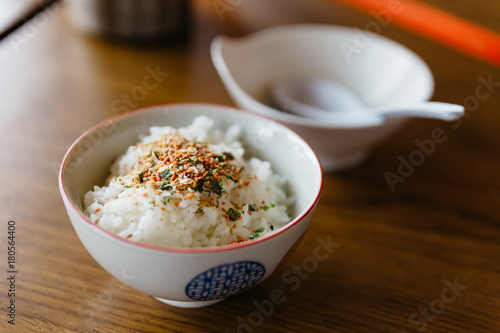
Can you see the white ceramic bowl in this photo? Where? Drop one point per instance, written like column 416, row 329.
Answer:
column 183, row 276
column 380, row 71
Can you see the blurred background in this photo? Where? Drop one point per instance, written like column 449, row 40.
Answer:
column 60, row 75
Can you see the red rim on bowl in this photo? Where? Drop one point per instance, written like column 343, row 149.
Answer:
column 76, row 210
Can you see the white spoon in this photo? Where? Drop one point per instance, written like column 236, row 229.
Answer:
column 327, row 100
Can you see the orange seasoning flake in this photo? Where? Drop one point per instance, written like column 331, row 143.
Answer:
column 239, row 240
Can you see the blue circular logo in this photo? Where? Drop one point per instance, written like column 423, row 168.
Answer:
column 225, row 280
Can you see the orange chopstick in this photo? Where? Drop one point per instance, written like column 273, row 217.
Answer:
column 435, row 24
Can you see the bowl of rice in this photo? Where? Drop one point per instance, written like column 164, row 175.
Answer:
column 190, row 203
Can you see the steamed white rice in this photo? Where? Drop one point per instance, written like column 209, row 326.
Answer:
column 237, row 199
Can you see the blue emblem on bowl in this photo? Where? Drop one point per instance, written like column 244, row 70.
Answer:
column 225, row 280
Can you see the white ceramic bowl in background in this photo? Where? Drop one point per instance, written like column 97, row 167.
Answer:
column 380, row 71
column 169, row 273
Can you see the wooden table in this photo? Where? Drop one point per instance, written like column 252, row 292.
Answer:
column 426, row 256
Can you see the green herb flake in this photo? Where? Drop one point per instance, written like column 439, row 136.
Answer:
column 256, row 233
column 265, row 207
column 157, row 154
column 253, row 208
column 165, row 200
column 273, row 205
column 228, row 156
column 141, row 177
column 232, row 214
column 271, row 226
column 199, row 186
column 166, row 174
column 165, row 187
column 216, row 188
column 128, row 186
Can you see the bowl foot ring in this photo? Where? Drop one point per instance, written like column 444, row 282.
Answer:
column 189, row 304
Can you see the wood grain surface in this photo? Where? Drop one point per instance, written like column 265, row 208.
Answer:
column 425, row 257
